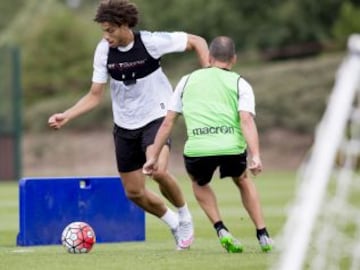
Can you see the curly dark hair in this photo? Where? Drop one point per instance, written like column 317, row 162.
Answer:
column 117, row 12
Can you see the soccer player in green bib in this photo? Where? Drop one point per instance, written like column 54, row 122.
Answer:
column 218, row 106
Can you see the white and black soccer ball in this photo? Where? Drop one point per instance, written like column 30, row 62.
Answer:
column 78, row 237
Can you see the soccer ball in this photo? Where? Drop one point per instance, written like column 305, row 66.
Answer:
column 78, row 237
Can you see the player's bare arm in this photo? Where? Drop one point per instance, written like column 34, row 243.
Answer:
column 252, row 138
column 85, row 104
column 199, row 44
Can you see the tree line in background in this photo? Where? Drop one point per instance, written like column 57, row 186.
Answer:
column 255, row 25
column 268, row 26
column 57, row 43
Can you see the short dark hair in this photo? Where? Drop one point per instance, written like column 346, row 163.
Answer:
column 222, row 48
column 117, row 12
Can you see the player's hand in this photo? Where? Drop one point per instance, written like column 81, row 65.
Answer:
column 57, row 120
column 150, row 166
column 255, row 165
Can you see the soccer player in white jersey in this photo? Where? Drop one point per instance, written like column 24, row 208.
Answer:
column 139, row 91
column 218, row 106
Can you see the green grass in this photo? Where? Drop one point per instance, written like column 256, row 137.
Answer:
column 157, row 252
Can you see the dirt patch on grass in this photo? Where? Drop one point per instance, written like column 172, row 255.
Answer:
column 67, row 153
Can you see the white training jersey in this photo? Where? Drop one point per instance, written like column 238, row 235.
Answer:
column 246, row 96
column 137, row 104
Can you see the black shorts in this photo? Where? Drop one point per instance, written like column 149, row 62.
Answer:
column 130, row 145
column 203, row 168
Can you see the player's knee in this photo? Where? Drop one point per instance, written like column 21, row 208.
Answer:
column 134, row 194
column 160, row 174
column 241, row 181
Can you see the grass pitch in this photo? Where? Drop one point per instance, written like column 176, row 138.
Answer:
column 157, row 252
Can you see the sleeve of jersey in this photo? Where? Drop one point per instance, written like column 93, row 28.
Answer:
column 246, row 97
column 160, row 43
column 175, row 103
column 100, row 73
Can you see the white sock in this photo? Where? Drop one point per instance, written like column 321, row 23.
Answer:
column 184, row 213
column 170, row 218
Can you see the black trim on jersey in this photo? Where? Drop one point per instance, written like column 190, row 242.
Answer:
column 131, row 65
column 237, row 87
column 182, row 92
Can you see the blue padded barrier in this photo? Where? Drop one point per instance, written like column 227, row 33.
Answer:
column 47, row 205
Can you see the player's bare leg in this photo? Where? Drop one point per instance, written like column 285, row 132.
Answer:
column 136, row 191
column 207, row 200
column 170, row 189
column 168, row 185
column 251, row 201
column 134, row 185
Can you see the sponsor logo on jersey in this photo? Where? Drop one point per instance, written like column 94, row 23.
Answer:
column 126, row 65
column 213, row 130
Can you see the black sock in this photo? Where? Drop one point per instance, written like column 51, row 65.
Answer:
column 260, row 232
column 219, row 225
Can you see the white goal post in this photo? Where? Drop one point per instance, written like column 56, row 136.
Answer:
column 335, row 243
